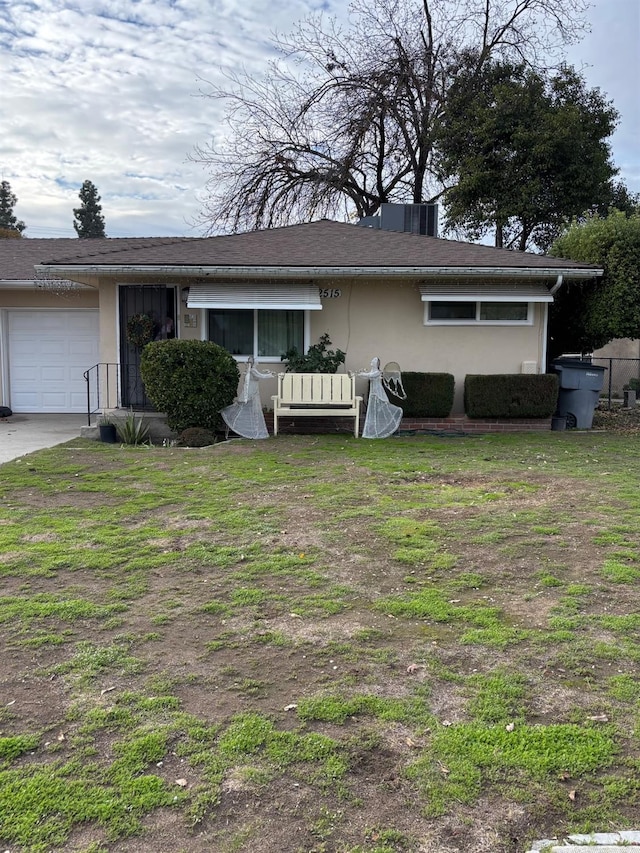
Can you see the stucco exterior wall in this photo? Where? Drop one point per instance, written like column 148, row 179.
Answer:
column 387, row 320
column 37, row 298
column 366, row 319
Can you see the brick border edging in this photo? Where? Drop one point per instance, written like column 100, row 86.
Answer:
column 453, row 424
column 461, row 423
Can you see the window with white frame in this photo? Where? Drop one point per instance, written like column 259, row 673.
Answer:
column 262, row 333
column 459, row 313
column 494, row 304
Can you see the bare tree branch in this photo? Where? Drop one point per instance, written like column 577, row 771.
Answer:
column 344, row 119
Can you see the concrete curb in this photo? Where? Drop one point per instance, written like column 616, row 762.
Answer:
column 601, row 842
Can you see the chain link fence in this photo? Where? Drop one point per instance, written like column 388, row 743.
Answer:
column 621, row 374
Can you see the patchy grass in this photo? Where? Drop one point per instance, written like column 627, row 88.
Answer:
column 320, row 644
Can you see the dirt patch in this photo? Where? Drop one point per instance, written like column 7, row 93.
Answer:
column 309, row 606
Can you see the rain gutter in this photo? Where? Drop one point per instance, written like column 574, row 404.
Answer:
column 314, row 272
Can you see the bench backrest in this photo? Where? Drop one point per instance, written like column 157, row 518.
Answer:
column 316, row 388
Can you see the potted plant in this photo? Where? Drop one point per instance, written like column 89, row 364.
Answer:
column 107, row 430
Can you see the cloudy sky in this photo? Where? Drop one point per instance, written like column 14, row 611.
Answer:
column 107, row 90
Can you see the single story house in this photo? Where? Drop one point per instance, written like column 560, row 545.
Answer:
column 429, row 304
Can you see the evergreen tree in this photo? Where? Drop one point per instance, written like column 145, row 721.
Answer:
column 8, row 221
column 587, row 315
column 524, row 152
column 89, row 219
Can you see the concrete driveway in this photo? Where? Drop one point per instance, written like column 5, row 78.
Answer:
column 22, row 434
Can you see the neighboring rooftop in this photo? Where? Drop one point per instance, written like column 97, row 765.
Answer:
column 18, row 256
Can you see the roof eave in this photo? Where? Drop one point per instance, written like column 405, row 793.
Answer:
column 315, row 272
column 37, row 284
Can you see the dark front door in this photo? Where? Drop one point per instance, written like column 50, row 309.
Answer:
column 158, row 303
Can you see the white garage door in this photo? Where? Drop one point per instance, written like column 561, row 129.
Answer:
column 48, row 353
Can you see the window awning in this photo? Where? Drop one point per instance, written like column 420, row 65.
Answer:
column 495, row 293
column 284, row 296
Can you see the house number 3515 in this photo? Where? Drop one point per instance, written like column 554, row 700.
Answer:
column 329, row 292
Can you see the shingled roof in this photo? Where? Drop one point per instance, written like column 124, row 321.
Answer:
column 315, row 244
column 18, row 256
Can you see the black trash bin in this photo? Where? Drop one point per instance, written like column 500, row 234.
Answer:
column 580, row 383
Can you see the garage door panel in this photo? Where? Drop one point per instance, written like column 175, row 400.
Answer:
column 82, row 350
column 26, row 402
column 79, row 401
column 78, row 325
column 24, row 348
column 28, row 373
column 53, row 349
column 52, row 400
column 54, row 374
column 48, row 354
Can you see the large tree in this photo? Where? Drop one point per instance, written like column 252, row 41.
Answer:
column 344, row 120
column 10, row 225
column 621, row 198
column 586, row 316
column 523, row 151
column 89, row 221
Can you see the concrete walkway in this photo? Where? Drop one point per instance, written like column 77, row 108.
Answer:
column 597, row 842
column 22, row 434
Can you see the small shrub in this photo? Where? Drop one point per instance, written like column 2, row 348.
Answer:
column 510, row 395
column 319, row 359
column 190, row 381
column 429, row 395
column 133, row 429
column 196, row 437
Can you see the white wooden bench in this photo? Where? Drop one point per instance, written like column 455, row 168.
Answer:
column 316, row 395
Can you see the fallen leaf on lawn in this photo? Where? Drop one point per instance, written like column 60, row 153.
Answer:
column 61, row 737
column 572, row 795
column 414, row 667
column 106, row 690
column 181, row 782
column 291, row 707
column 446, row 722
column 510, row 727
column 599, row 718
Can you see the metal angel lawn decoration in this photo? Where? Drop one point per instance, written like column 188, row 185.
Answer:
column 382, row 418
column 244, row 416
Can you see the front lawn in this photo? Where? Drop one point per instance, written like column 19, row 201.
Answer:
column 318, row 644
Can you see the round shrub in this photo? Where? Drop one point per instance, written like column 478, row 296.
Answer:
column 196, row 437
column 190, row 381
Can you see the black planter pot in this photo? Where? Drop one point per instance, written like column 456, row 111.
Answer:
column 108, row 433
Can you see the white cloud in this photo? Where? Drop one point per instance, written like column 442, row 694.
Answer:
column 107, row 90
column 609, row 57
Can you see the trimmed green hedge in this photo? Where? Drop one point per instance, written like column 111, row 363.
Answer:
column 510, row 395
column 429, row 395
column 190, row 381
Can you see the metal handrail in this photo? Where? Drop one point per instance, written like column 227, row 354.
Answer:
column 99, row 379
column 114, row 385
